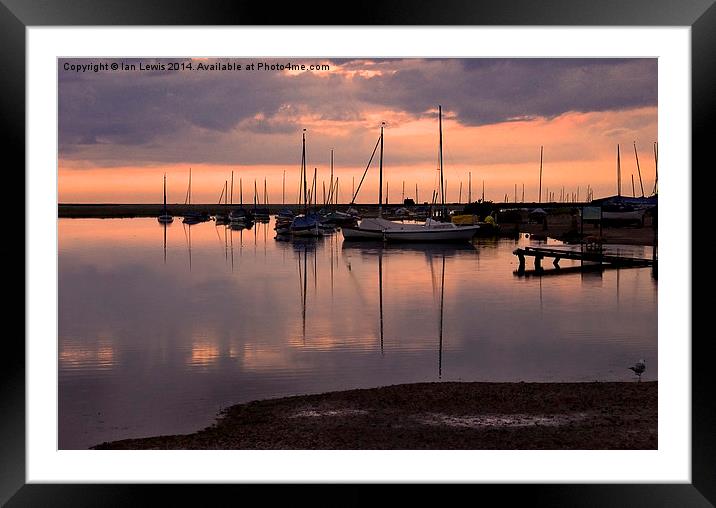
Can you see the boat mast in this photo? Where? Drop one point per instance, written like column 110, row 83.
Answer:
column 539, row 199
column 186, row 195
column 330, row 190
column 641, row 184
column 165, row 193
column 380, row 187
column 442, row 188
column 619, row 173
column 303, row 172
column 314, row 187
column 232, row 188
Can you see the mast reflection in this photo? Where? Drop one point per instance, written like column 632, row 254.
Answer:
column 442, row 302
column 380, row 289
column 164, row 227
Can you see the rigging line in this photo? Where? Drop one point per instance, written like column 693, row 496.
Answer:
column 330, row 190
column 353, row 199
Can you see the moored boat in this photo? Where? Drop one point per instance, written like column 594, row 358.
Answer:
column 165, row 218
column 222, row 217
column 261, row 215
column 368, row 229
column 307, row 223
column 371, row 228
column 284, row 218
column 196, row 217
column 431, row 231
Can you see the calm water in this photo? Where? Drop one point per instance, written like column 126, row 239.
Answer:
column 157, row 341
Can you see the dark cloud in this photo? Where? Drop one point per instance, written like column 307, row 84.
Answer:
column 487, row 91
column 167, row 116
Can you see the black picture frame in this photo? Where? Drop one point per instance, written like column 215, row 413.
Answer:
column 16, row 15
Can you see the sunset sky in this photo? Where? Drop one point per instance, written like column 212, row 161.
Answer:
column 120, row 131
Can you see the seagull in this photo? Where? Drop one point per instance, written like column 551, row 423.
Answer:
column 639, row 368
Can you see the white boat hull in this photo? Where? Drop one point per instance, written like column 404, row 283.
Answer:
column 361, row 234
column 457, row 234
column 372, row 229
column 431, row 231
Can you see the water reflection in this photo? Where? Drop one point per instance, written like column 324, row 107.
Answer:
column 442, row 301
column 303, row 284
column 164, row 227
column 187, row 236
column 157, row 343
column 380, row 288
column 430, row 251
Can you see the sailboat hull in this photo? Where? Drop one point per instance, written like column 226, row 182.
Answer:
column 457, row 234
column 313, row 231
column 361, row 234
column 306, row 225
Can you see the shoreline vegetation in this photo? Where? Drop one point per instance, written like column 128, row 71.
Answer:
column 442, row 415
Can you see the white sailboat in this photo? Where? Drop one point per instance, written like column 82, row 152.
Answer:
column 430, row 231
column 374, row 227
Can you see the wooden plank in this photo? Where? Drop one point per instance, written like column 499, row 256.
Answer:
column 541, row 252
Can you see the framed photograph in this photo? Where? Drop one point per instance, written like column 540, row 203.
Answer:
column 419, row 247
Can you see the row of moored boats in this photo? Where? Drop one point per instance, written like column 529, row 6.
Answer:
column 315, row 223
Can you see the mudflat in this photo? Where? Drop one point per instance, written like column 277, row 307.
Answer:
column 447, row 415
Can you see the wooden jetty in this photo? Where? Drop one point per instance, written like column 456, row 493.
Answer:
column 584, row 254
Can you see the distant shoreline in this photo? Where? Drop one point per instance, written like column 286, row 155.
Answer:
column 118, row 210
column 559, row 223
column 449, row 415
